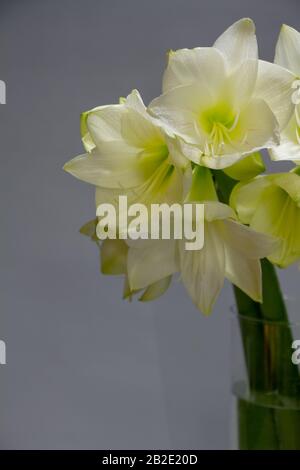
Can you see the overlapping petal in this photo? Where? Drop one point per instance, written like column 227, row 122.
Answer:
column 150, row 261
column 274, row 86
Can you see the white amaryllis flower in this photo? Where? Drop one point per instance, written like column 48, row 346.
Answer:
column 230, row 250
column 222, row 101
column 128, row 153
column 288, row 55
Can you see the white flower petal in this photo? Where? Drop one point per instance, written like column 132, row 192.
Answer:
column 204, row 65
column 288, row 49
column 238, row 43
column 217, row 211
column 135, row 102
column 257, row 127
column 188, row 151
column 104, row 123
column 119, row 167
column 246, row 241
column 242, row 82
column 180, row 108
column 243, row 249
column 176, row 154
column 139, row 131
column 203, row 270
column 287, row 150
column 243, row 272
column 150, row 261
column 274, row 86
column 218, row 162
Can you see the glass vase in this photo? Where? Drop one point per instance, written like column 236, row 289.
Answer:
column 265, row 357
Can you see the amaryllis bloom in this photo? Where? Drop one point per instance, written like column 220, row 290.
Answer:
column 128, row 153
column 231, row 250
column 222, row 101
column 288, row 55
column 271, row 205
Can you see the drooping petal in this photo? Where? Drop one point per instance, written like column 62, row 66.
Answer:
column 274, row 86
column 202, row 271
column 288, row 49
column 203, row 65
column 238, row 43
column 150, row 261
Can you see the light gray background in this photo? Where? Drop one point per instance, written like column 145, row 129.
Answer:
column 85, row 369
